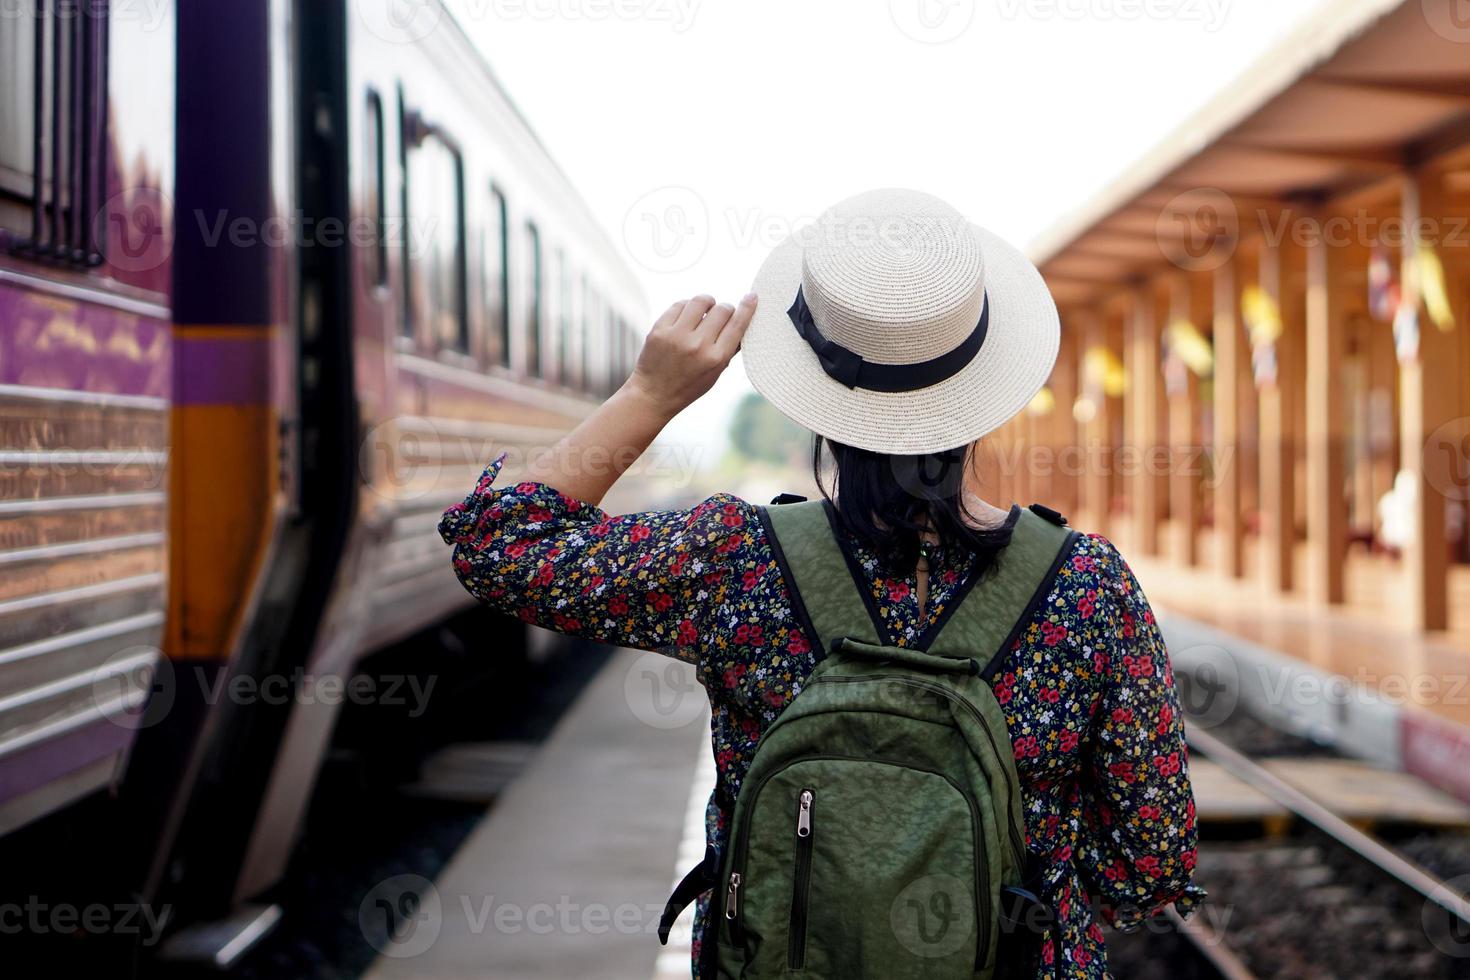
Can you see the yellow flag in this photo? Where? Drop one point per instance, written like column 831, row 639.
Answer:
column 1192, row 347
column 1262, row 317
column 1105, row 370
column 1432, row 288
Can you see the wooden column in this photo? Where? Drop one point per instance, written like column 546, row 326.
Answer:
column 1277, row 415
column 1326, row 425
column 1230, row 358
column 1184, row 436
column 1144, row 419
column 1426, row 389
column 1035, row 488
column 1094, row 431
column 1067, row 458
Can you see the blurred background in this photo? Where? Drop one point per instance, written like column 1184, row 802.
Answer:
column 278, row 278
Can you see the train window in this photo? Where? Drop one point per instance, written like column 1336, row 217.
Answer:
column 630, row 344
column 533, row 300
column 495, row 278
column 436, row 255
column 374, row 203
column 610, row 331
column 589, row 313
column 564, row 318
column 53, row 121
column 17, row 109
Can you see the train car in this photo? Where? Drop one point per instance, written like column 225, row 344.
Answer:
column 279, row 277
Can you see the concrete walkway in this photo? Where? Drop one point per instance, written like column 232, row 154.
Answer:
column 567, row 875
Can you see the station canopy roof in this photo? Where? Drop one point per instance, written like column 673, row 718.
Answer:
column 1351, row 99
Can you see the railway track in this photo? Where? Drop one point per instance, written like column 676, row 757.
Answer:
column 1330, row 900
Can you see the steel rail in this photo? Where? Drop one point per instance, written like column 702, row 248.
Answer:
column 1368, row 848
column 1211, row 947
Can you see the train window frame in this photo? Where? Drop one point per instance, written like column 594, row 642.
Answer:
column 610, row 374
column 377, row 167
column 416, row 133
column 532, row 337
column 498, row 315
column 563, row 319
column 589, row 304
column 404, row 338
column 59, row 131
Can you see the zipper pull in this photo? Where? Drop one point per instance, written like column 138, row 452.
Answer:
column 732, row 896
column 804, row 815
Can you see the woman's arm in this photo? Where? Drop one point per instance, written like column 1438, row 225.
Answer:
column 544, row 551
column 1139, row 840
column 682, row 357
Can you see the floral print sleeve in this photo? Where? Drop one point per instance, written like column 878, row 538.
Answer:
column 1139, row 840
column 649, row 581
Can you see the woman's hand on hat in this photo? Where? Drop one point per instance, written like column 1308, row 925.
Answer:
column 687, row 350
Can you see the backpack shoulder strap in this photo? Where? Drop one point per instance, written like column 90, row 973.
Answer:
column 823, row 588
column 997, row 607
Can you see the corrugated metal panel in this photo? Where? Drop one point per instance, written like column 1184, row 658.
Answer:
column 82, row 579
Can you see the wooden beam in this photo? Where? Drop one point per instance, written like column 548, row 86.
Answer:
column 1230, row 358
column 1369, row 160
column 1448, row 90
column 1326, row 424
column 1426, row 386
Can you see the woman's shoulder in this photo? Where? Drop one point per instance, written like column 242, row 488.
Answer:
column 1095, row 561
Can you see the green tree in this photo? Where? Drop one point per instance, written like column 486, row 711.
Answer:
column 759, row 433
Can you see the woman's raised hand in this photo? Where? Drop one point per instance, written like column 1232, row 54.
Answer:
column 687, row 350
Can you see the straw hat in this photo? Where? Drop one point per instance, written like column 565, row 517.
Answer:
column 894, row 324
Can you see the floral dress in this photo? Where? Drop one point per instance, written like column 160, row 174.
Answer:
column 1087, row 689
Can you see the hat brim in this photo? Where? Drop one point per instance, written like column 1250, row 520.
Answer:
column 1014, row 363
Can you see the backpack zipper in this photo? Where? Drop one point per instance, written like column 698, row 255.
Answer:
column 741, row 850
column 801, row 890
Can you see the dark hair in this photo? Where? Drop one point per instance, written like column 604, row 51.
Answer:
column 887, row 500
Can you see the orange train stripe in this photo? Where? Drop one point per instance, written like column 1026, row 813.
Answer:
column 223, row 479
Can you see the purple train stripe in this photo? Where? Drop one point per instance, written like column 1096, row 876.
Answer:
column 55, row 342
column 27, row 770
column 222, row 367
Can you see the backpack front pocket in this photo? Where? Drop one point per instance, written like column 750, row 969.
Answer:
column 861, row 867
column 801, row 892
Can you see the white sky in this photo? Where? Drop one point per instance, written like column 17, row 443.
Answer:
column 721, row 123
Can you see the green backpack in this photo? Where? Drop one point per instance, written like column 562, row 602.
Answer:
column 878, row 832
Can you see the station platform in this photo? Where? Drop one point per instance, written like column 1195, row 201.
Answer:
column 1365, row 639
column 1354, row 676
column 535, row 893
